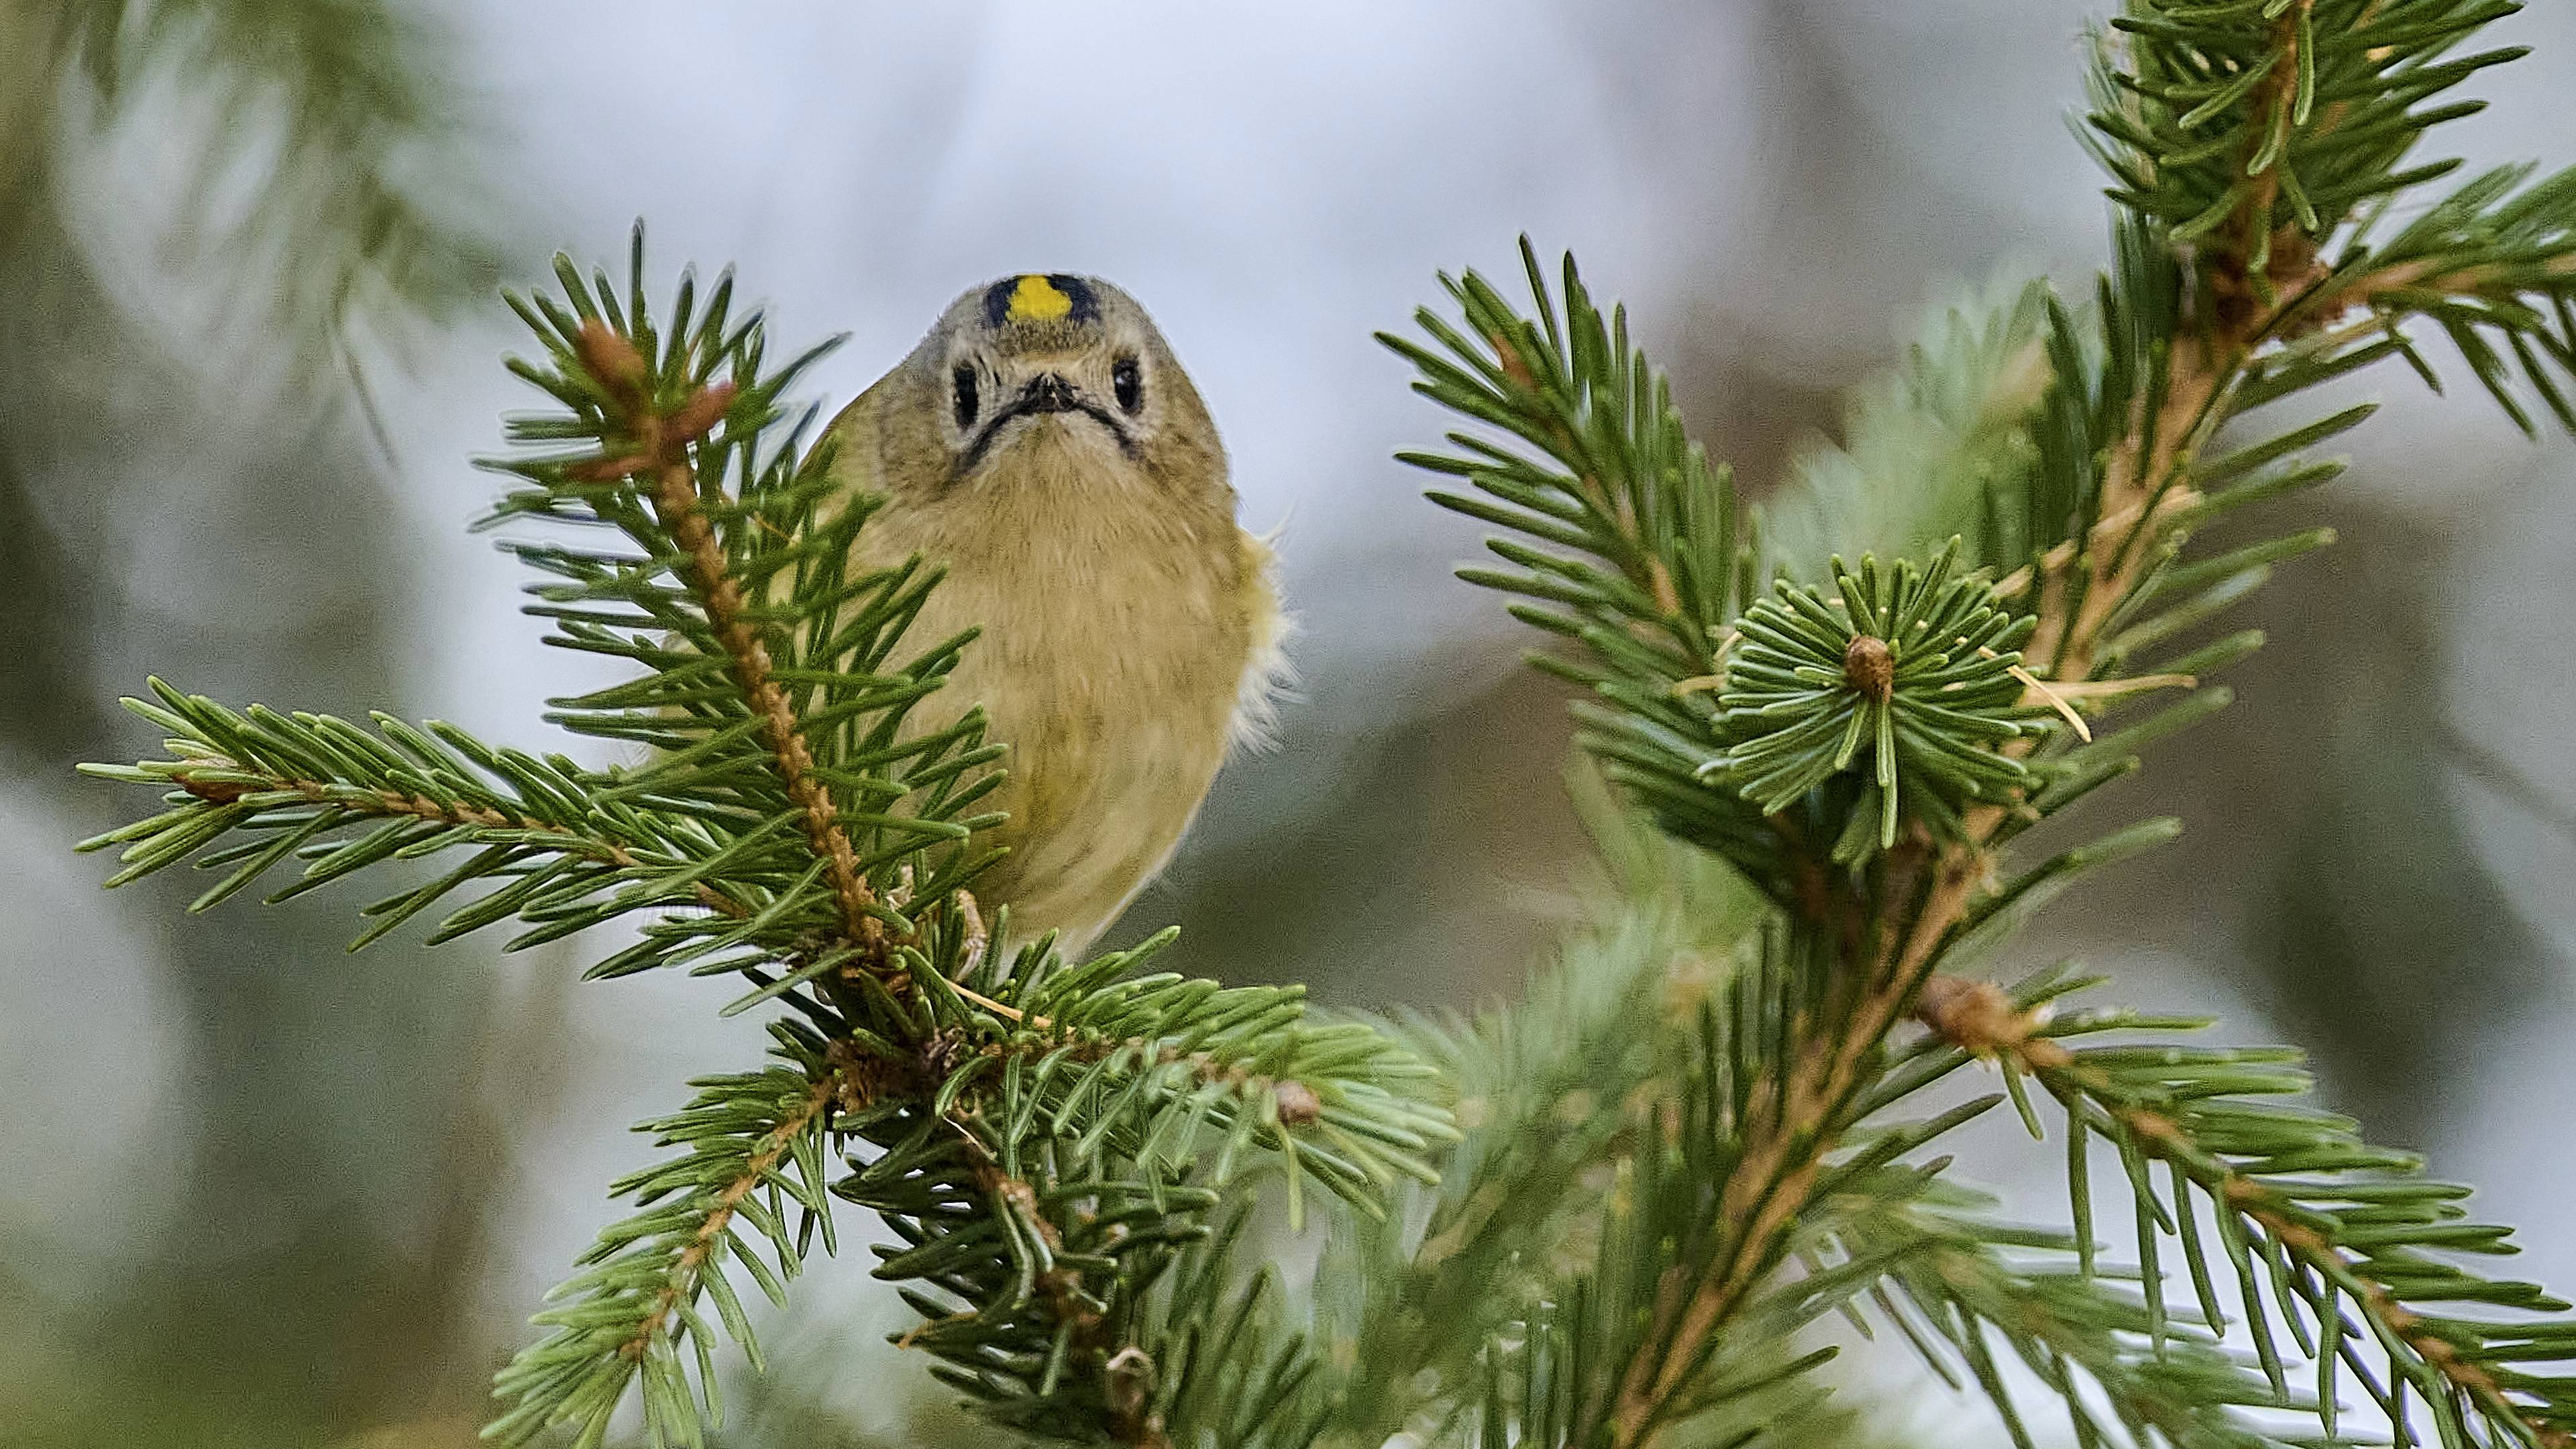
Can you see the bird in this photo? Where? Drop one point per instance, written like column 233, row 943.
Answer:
column 1045, row 447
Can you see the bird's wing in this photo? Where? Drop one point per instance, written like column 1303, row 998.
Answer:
column 853, row 435
column 1266, row 675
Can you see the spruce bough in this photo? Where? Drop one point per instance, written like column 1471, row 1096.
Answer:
column 1052, row 1141
column 1824, row 728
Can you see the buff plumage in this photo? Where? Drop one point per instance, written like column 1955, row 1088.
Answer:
column 1044, row 447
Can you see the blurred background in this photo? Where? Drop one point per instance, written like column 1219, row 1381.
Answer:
column 262, row 1193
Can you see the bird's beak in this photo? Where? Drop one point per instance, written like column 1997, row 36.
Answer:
column 1048, row 393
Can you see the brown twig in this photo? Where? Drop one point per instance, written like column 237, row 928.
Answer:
column 675, row 499
column 1980, row 1017
column 387, row 803
column 1126, row 1372
column 1295, row 1101
column 681, row 1284
column 2078, row 590
column 661, row 436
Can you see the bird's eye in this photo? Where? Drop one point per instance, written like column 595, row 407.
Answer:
column 1127, row 381
column 964, row 381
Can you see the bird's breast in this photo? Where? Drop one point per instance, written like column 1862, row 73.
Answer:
column 1115, row 636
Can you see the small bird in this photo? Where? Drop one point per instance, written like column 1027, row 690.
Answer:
column 1043, row 444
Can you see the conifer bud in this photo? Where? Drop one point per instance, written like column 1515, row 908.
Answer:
column 613, row 360
column 1298, row 1104
column 1869, row 667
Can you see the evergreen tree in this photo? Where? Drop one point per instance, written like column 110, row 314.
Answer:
column 1606, row 1215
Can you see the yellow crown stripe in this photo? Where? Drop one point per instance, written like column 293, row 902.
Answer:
column 1036, row 299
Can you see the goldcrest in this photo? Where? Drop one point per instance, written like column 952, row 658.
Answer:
column 1045, row 447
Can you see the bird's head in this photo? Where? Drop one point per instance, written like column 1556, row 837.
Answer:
column 1055, row 376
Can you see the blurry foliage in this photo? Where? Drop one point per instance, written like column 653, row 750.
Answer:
column 2352, row 928
column 321, row 152
column 310, row 198
column 324, row 182
column 1921, row 444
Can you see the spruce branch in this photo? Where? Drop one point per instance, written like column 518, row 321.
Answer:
column 754, row 1153
column 1659, row 736
column 1669, row 1232
column 1068, row 1167
column 1907, row 663
column 660, row 439
column 1048, row 1138
column 312, row 785
column 1880, row 1242
column 2248, row 140
column 720, row 705
column 1553, row 1092
column 2351, row 1236
column 1958, row 1283
column 1168, row 1070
